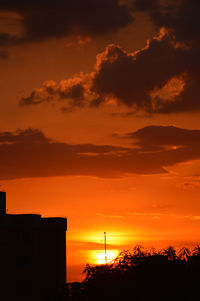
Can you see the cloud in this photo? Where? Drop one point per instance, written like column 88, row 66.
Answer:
column 55, row 19
column 45, row 19
column 161, row 78
column 163, row 215
column 147, row 215
column 29, row 153
column 73, row 89
column 112, row 216
column 4, row 55
column 161, row 138
column 166, row 145
column 131, row 78
column 181, row 17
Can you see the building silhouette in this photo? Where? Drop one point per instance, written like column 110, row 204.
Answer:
column 32, row 256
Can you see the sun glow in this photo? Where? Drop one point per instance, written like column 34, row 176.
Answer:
column 100, row 258
column 112, row 237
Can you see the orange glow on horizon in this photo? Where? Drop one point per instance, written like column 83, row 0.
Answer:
column 98, row 256
column 113, row 237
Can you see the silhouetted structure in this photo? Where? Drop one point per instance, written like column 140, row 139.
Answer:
column 32, row 256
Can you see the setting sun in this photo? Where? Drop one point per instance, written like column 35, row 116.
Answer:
column 100, row 258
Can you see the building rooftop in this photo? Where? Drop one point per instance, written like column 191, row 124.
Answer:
column 28, row 220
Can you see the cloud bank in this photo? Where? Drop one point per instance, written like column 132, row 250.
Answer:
column 29, row 153
column 44, row 19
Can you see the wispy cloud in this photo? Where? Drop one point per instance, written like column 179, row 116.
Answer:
column 158, row 215
column 112, row 216
column 144, row 214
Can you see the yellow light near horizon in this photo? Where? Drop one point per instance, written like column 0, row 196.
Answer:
column 99, row 256
column 112, row 238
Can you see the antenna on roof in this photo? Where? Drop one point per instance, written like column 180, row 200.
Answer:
column 105, row 247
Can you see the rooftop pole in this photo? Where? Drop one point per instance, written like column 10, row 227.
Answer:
column 105, row 247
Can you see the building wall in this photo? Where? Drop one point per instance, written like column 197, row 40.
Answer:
column 53, row 259
column 33, row 257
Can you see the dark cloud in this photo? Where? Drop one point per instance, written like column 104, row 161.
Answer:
column 30, row 153
column 4, row 55
column 163, row 77
column 42, row 19
column 129, row 79
column 166, row 145
column 145, row 5
column 72, row 89
column 160, row 137
column 181, row 16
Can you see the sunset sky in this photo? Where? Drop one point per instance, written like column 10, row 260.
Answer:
column 100, row 120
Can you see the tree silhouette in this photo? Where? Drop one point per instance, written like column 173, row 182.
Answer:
column 143, row 275
column 196, row 251
column 184, row 254
column 170, row 252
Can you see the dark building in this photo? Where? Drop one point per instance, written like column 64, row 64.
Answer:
column 32, row 256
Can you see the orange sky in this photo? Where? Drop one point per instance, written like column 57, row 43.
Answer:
column 99, row 121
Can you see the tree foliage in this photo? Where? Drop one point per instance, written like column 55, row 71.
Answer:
column 142, row 275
